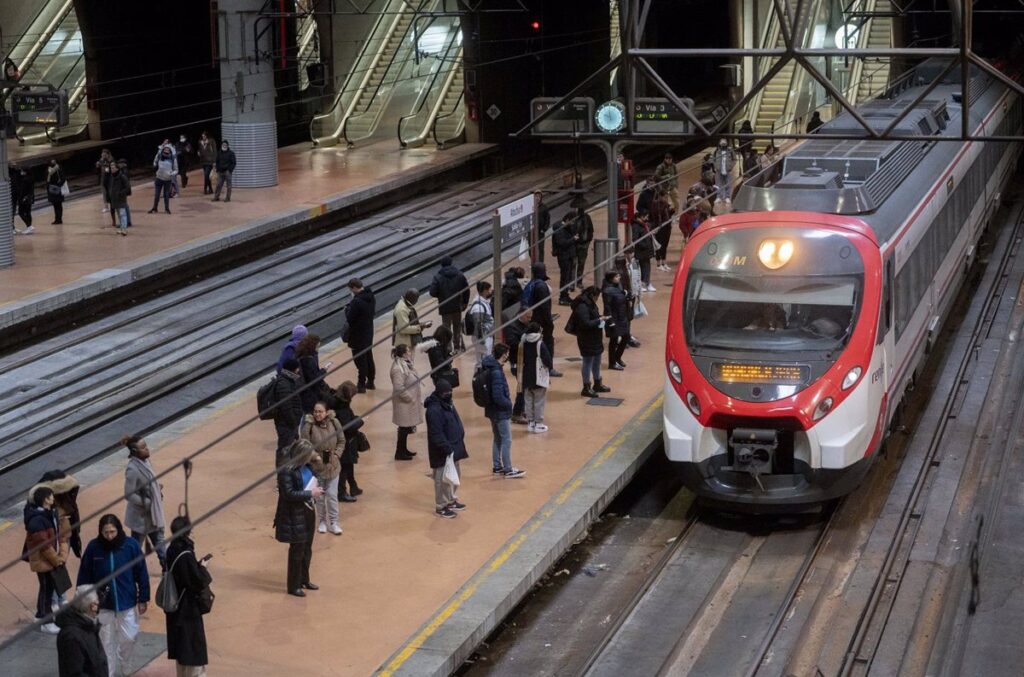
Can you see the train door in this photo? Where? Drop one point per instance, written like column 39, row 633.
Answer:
column 883, row 371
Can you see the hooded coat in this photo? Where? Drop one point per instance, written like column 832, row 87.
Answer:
column 144, row 507
column 79, row 649
column 589, row 336
column 42, row 538
column 451, row 288
column 186, row 635
column 500, row 405
column 540, row 299
column 299, row 332
column 329, row 441
column 65, row 494
column 360, row 313
column 536, row 363
column 445, row 433
column 294, row 520
column 102, row 557
column 617, row 307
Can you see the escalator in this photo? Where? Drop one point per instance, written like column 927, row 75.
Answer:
column 449, row 126
column 433, row 92
column 308, row 47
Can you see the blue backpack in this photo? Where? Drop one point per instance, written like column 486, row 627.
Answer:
column 528, row 299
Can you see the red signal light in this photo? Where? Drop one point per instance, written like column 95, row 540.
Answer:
column 535, row 25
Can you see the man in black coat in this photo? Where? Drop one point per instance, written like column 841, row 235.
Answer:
column 359, row 313
column 225, row 168
column 446, row 437
column 584, row 236
column 79, row 649
column 564, row 244
column 288, row 412
column 537, row 296
column 451, row 288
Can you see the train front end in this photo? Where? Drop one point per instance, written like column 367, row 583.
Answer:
column 774, row 391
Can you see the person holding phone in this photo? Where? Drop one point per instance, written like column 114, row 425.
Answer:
column 186, row 634
column 295, row 519
column 589, row 330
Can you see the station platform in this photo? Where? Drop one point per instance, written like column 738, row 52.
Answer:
column 34, row 154
column 59, row 266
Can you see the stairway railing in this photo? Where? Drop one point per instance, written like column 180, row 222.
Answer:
column 459, row 127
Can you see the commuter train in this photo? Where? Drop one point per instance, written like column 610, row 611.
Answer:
column 798, row 320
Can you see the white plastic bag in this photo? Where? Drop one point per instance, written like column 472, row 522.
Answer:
column 64, row 189
column 639, row 310
column 451, row 473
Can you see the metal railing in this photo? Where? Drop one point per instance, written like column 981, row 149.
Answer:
column 441, row 76
column 459, row 127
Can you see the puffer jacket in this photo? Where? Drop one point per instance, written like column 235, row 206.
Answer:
column 360, row 313
column 589, row 337
column 295, row 516
column 500, row 406
column 451, row 288
column 79, row 649
column 643, row 241
column 43, row 544
column 329, row 441
column 445, row 432
column 617, row 307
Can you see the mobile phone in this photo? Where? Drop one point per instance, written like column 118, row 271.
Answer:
column 328, row 365
column 207, row 557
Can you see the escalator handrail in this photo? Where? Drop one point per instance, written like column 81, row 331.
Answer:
column 44, row 37
column 442, row 116
column 449, row 75
column 348, row 78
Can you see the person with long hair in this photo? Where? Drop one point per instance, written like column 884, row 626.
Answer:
column 440, row 357
column 590, row 340
column 144, row 506
column 323, row 430
column 295, row 518
column 407, row 401
column 186, row 634
column 114, row 562
column 43, row 548
column 350, row 453
column 54, row 190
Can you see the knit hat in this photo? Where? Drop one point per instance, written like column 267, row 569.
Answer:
column 299, row 332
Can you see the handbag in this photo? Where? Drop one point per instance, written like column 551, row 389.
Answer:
column 61, row 579
column 362, row 442
column 451, row 473
column 52, row 189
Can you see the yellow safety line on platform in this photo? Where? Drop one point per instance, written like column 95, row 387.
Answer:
column 409, row 649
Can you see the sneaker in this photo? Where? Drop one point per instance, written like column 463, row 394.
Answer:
column 446, row 513
column 620, row 364
column 650, row 288
column 122, row 232
column 455, row 505
column 514, row 473
column 335, row 529
column 347, row 498
column 49, row 629
column 497, row 471
column 530, row 427
column 19, row 231
column 538, row 428
column 371, row 386
column 104, row 211
column 29, row 230
column 554, row 373
column 322, row 528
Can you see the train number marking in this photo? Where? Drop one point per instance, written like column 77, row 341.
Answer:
column 876, row 375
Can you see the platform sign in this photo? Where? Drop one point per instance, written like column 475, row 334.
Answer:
column 653, row 115
column 515, row 220
column 575, row 116
column 40, row 107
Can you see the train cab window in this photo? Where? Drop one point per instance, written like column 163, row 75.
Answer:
column 733, row 312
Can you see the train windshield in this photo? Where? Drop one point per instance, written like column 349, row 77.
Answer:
column 771, row 313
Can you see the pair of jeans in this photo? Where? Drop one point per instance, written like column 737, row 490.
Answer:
column 156, row 540
column 535, row 398
column 47, row 589
column 223, row 178
column 118, row 630
column 327, row 505
column 662, row 236
column 207, row 184
column 501, row 446
column 723, row 182
column 122, row 217
column 590, row 366
column 454, row 323
column 444, row 493
column 363, row 358
column 161, row 186
column 616, row 347
column 299, row 557
column 58, row 211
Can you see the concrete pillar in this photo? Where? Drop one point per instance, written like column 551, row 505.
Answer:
column 248, row 116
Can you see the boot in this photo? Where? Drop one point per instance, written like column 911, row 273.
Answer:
column 403, row 456
column 600, row 387
column 587, row 391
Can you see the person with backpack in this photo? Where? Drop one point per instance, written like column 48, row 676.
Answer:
column 587, row 324
column 288, row 405
column 186, row 634
column 360, row 313
column 534, row 370
column 563, row 243
column 537, row 298
column 479, row 324
column 128, row 597
column 490, row 387
column 446, row 437
column 323, row 430
column 451, row 289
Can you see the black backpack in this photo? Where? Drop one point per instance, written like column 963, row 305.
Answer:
column 266, row 400
column 482, row 387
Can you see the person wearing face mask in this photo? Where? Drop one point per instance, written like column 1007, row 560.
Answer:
column 166, row 169
column 144, row 510
column 43, row 548
column 120, row 189
column 323, row 430
column 207, row 152
column 54, row 190
column 79, row 649
column 225, row 166
column 446, row 437
column 127, row 591
column 183, row 151
column 724, row 161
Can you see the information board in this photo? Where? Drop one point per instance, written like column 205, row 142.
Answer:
column 516, row 220
column 653, row 115
column 575, row 116
column 45, row 108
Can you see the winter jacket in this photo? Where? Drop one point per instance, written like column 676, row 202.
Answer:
column 724, row 160
column 563, row 240
column 351, row 424
column 309, row 365
column 540, row 300
column 329, row 441
column 54, row 180
column 360, row 313
column 144, row 506
column 536, row 363
column 406, row 409
column 483, row 317
column 644, row 201
column 688, row 221
column 289, row 349
column 166, row 167
column 65, row 494
column 79, row 649
column 22, row 190
column 589, row 336
column 207, row 152
column 128, row 588
column 617, row 307
column 183, row 153
column 119, row 190
column 585, row 230
column 186, row 636
column 643, row 242
column 42, row 538
column 499, row 407
column 661, row 213
column 513, row 335
column 445, row 433
column 667, row 176
column 451, row 289
column 293, row 521
column 440, row 365
column 288, row 413
column 511, row 294
column 405, row 325
column 225, row 161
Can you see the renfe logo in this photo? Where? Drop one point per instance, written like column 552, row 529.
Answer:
column 726, row 261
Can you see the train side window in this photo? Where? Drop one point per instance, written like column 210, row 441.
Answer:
column 886, row 319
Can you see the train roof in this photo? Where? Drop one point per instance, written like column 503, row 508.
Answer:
column 860, row 177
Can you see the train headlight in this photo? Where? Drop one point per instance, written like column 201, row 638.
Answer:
column 675, row 371
column 693, row 403
column 774, row 254
column 823, row 408
column 852, row 377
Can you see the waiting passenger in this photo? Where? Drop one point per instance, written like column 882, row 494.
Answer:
column 440, row 358
column 79, row 649
column 513, row 338
column 480, row 321
column 55, row 181
column 616, row 309
column 288, row 412
column 166, row 170
column 43, row 549
column 119, row 190
column 406, row 327
column 186, row 634
column 294, row 520
column 355, row 441
column 499, row 412
column 309, row 363
column 144, row 507
column 183, row 153
column 127, row 595
column 406, row 407
column 588, row 324
column 563, row 245
column 661, row 224
column 511, row 293
column 814, row 123
column 724, row 160
column 299, row 332
column 225, row 168
column 537, row 299
column 451, row 289
column 323, row 430
column 446, row 437
column 207, row 152
column 360, row 313
column 534, row 377
column 584, row 236
column 643, row 249
column 22, row 198
column 666, row 177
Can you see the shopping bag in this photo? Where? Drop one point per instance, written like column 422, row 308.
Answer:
column 639, row 310
column 65, row 190
column 451, row 474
